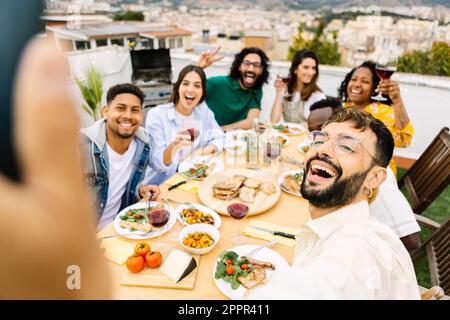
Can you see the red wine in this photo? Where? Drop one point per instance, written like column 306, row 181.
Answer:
column 384, row 73
column 285, row 79
column 192, row 133
column 237, row 210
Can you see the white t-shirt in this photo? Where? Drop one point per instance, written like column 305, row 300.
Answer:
column 120, row 168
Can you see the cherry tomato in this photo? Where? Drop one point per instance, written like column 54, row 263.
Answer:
column 244, row 266
column 129, row 213
column 230, row 270
column 138, row 216
column 228, row 261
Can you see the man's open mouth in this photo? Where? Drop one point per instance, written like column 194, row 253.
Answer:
column 321, row 171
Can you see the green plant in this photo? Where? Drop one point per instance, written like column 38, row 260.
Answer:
column 92, row 91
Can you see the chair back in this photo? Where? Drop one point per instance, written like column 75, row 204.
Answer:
column 430, row 174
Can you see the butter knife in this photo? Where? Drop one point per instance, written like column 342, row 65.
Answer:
column 275, row 232
column 176, row 185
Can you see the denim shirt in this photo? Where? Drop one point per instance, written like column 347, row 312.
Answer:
column 162, row 125
column 93, row 145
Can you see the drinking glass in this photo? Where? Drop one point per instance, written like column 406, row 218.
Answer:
column 191, row 128
column 238, row 211
column 385, row 68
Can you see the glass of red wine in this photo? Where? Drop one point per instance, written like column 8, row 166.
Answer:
column 385, row 68
column 190, row 127
column 284, row 76
column 238, row 211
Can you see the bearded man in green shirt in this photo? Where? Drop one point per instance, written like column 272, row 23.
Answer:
column 235, row 99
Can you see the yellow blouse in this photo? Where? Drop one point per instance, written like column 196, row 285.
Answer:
column 385, row 113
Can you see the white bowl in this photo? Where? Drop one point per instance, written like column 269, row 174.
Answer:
column 199, row 227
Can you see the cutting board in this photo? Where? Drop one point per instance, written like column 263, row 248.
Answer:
column 262, row 201
column 155, row 279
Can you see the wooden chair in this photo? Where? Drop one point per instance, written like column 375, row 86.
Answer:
column 430, row 174
column 437, row 250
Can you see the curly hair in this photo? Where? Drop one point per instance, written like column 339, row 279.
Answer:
column 124, row 88
column 308, row 88
column 342, row 90
column 236, row 74
column 362, row 120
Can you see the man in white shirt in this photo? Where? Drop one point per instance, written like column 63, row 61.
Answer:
column 116, row 151
column 343, row 252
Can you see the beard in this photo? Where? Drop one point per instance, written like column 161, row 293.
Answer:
column 342, row 192
column 122, row 134
column 255, row 84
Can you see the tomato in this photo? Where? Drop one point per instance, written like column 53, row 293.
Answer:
column 138, row 216
column 141, row 249
column 135, row 263
column 244, row 266
column 130, row 213
column 229, row 261
column 153, row 259
column 230, row 270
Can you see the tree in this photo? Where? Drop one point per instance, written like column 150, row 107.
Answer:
column 129, row 16
column 326, row 51
column 92, row 92
column 434, row 62
column 298, row 44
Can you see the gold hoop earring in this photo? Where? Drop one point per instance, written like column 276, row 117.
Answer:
column 370, row 192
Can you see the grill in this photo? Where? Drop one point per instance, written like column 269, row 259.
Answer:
column 152, row 72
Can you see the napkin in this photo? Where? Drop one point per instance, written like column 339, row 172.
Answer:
column 191, row 186
column 259, row 234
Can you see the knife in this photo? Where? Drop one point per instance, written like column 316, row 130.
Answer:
column 275, row 232
column 176, row 185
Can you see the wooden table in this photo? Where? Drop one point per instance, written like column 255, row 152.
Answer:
column 289, row 211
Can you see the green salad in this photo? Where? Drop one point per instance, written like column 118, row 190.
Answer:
column 230, row 267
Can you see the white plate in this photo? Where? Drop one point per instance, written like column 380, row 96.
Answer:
column 216, row 217
column 301, row 145
column 265, row 254
column 281, row 179
column 188, row 163
column 276, row 133
column 292, row 125
column 138, row 235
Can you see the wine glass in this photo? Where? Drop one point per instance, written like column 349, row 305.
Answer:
column 238, row 211
column 284, row 76
column 385, row 68
column 191, row 128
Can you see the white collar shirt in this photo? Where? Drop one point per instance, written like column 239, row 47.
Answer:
column 346, row 254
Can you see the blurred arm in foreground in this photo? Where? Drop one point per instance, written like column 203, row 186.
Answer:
column 46, row 222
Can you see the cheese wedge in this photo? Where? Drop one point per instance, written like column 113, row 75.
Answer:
column 178, row 264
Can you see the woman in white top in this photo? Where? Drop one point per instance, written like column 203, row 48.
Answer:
column 294, row 98
column 169, row 126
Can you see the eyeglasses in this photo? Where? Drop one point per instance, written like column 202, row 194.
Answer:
column 247, row 64
column 343, row 144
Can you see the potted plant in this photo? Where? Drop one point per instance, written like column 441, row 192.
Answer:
column 92, row 91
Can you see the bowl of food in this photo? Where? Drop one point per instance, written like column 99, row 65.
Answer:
column 199, row 238
column 236, row 148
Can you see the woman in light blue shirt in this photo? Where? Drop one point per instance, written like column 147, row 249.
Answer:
column 170, row 141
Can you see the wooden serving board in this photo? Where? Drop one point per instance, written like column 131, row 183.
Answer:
column 155, row 279
column 262, row 202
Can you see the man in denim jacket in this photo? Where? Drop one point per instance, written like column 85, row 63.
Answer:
column 116, row 151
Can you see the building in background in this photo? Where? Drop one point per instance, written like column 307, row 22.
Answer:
column 138, row 35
